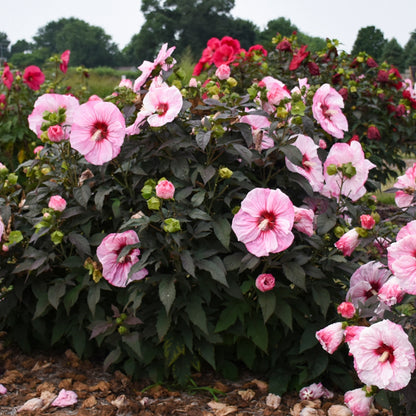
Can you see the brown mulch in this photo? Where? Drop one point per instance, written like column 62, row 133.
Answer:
column 114, row 394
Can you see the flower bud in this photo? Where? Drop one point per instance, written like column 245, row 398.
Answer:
column 171, row 225
column 332, row 170
column 57, row 237
column 153, row 203
column 225, row 173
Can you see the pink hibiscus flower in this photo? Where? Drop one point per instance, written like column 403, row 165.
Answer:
column 264, row 221
column 326, row 108
column 115, row 268
column 7, row 76
column 358, row 402
column 276, row 92
column 349, row 173
column 148, row 67
column 52, row 103
column 98, row 131
column 366, row 282
column 161, row 104
column 265, row 282
column 383, row 356
column 33, row 77
column 348, row 242
column 311, row 167
column 331, row 337
column 259, row 124
column 407, row 186
column 304, row 221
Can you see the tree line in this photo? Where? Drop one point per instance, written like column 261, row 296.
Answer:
column 187, row 24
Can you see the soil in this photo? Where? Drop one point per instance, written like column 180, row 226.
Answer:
column 39, row 378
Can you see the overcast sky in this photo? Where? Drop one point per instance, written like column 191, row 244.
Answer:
column 122, row 19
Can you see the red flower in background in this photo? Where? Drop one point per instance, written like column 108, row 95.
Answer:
column 2, row 106
column 371, row 63
column 63, row 66
column 256, row 50
column 373, row 133
column 297, row 59
column 313, row 68
column 7, row 76
column 284, row 45
column 33, row 77
column 223, row 55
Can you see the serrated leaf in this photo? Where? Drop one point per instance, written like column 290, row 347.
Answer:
column 295, row 274
column 196, row 314
column 222, row 230
column 111, row 358
column 167, row 292
column 81, row 244
column 267, row 302
column 188, row 262
column 202, row 138
column 55, row 293
column 207, row 173
column 322, row 297
column 82, row 195
column 133, row 341
column 215, row 267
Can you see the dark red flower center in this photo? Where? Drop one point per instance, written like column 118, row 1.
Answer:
column 162, row 108
column 375, row 287
column 99, row 131
column 305, row 163
column 385, row 353
column 267, row 221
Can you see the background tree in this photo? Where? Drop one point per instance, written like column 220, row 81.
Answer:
column 393, row 54
column 89, row 45
column 281, row 25
column 371, row 40
column 185, row 24
column 4, row 46
column 410, row 51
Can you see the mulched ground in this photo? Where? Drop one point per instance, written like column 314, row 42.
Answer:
column 114, row 394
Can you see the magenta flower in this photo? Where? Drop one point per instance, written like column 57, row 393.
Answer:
column 98, row 131
column 315, row 391
column 33, row 77
column 264, row 221
column 52, row 103
column 57, row 203
column 65, row 398
column 331, row 337
column 265, row 282
column 56, row 133
column 276, row 92
column 326, row 108
column 304, row 221
column 348, row 242
column 406, row 185
column 391, row 292
column 161, row 104
column 383, row 356
column 7, row 76
column 311, row 167
column 1, row 229
column 63, row 66
column 358, row 401
column 115, row 268
column 165, row 189
column 346, row 310
column 348, row 171
column 366, row 282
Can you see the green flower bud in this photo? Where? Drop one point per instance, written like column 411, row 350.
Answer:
column 339, row 231
column 225, row 173
column 147, row 191
column 153, row 203
column 376, row 217
column 57, row 237
column 332, row 170
column 361, row 232
column 12, row 179
column 171, row 225
column 281, row 112
column 232, row 82
column 349, row 170
column 122, row 330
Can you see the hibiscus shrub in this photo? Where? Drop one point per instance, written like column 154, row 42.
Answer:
column 219, row 229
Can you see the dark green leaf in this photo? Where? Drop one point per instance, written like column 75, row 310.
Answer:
column 202, row 138
column 81, row 244
column 82, row 195
column 222, row 230
column 322, row 298
column 167, row 292
column 188, row 262
column 56, row 292
column 215, row 267
column 295, row 274
column 133, row 341
column 112, row 358
column 267, row 302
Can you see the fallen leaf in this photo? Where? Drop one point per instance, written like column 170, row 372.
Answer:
column 103, row 386
column 31, row 405
column 89, row 402
column 247, row 395
column 261, row 385
column 273, row 400
column 47, row 397
column 120, row 401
